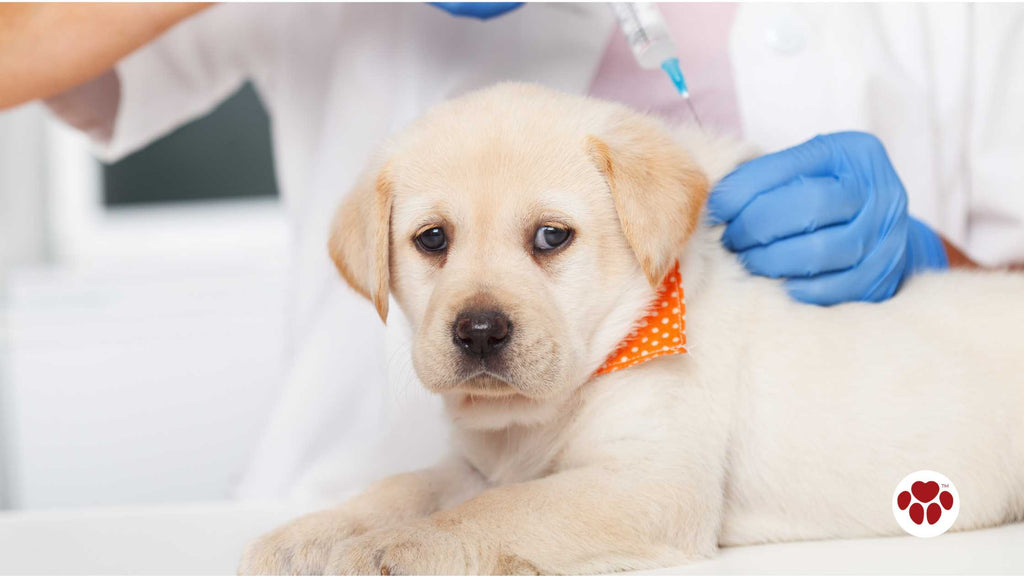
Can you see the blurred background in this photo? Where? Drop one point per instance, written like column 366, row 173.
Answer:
column 143, row 296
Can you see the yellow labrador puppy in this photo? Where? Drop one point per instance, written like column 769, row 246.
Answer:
column 525, row 233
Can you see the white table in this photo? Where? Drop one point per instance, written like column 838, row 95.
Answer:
column 208, row 538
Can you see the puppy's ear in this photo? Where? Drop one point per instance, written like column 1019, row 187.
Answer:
column 658, row 190
column 360, row 238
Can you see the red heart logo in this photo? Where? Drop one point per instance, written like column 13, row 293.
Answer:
column 925, row 491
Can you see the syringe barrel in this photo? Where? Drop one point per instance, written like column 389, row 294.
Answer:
column 646, row 32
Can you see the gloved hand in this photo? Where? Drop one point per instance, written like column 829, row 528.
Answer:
column 830, row 216
column 481, row 10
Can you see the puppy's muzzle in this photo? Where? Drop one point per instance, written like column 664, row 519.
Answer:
column 481, row 333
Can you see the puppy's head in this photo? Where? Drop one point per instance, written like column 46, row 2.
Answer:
column 510, row 224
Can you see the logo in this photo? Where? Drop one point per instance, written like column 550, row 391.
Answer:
column 925, row 504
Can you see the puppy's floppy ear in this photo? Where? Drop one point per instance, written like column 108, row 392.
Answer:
column 658, row 190
column 360, row 237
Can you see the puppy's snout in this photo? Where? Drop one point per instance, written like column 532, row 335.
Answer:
column 481, row 333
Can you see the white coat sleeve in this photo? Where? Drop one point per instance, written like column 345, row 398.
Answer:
column 188, row 71
column 995, row 218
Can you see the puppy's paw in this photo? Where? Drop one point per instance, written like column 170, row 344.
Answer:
column 302, row 546
column 421, row 548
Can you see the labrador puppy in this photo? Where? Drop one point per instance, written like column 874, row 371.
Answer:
column 525, row 233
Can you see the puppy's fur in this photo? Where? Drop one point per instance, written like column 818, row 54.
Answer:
column 785, row 421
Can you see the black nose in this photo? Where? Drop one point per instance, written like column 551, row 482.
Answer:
column 481, row 333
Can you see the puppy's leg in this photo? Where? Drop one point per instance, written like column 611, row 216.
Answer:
column 303, row 546
column 578, row 521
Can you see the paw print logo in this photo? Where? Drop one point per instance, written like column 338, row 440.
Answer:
column 925, row 504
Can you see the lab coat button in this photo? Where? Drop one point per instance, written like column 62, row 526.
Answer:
column 787, row 35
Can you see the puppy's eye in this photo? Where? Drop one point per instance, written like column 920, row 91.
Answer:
column 550, row 237
column 432, row 239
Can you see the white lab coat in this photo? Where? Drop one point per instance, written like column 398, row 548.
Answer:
column 939, row 84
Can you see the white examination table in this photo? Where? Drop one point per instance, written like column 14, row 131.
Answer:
column 208, row 538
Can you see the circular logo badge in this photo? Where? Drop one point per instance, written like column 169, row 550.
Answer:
column 925, row 504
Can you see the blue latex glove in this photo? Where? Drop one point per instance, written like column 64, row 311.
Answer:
column 830, row 216
column 480, row 10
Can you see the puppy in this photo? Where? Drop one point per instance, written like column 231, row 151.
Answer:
column 525, row 233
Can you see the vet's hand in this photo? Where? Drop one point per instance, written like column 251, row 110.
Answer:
column 478, row 10
column 830, row 216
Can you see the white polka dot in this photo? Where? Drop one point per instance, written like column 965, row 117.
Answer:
column 644, row 353
column 675, row 339
column 644, row 339
column 624, row 359
column 675, row 294
column 664, row 304
column 664, row 347
column 655, row 330
column 675, row 326
column 675, row 310
column 635, row 349
column 654, row 343
column 664, row 320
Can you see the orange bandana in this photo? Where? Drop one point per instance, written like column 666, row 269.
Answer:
column 661, row 332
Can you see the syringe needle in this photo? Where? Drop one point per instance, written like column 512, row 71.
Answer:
column 671, row 66
column 693, row 110
column 647, row 34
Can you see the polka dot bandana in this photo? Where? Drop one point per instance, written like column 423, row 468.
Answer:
column 661, row 332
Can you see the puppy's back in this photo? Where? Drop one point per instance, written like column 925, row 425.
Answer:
column 843, row 402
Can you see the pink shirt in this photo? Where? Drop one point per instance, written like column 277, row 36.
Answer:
column 701, row 32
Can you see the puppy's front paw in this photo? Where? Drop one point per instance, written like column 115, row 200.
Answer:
column 421, row 548
column 302, row 546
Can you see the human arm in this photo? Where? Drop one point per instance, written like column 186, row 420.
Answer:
column 176, row 77
column 957, row 258
column 47, row 49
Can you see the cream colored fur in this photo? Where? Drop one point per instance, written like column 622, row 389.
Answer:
column 785, row 421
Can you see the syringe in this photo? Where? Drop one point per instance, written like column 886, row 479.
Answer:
column 649, row 39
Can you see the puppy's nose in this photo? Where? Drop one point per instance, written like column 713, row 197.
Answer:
column 481, row 333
